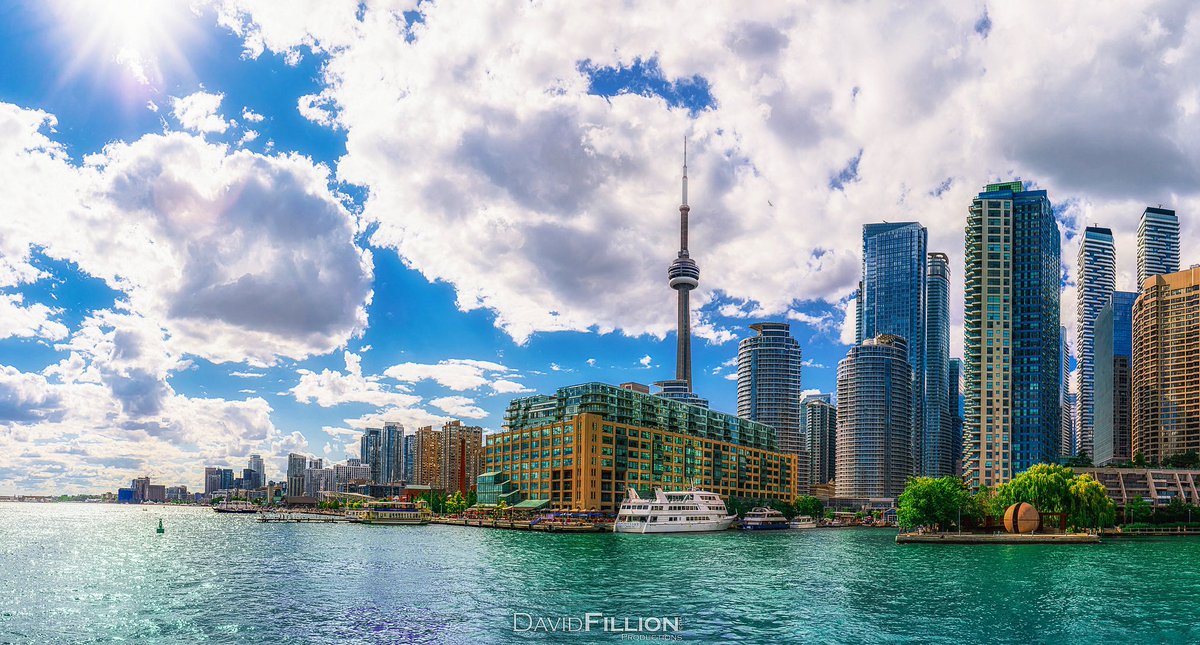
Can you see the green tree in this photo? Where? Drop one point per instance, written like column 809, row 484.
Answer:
column 1138, row 510
column 456, row 503
column 501, row 508
column 1089, row 504
column 1139, row 459
column 1046, row 486
column 931, row 502
column 810, row 506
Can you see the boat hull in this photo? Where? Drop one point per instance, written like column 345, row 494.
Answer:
column 394, row 522
column 763, row 527
column 669, row 527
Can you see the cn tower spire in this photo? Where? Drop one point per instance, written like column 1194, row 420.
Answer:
column 684, row 276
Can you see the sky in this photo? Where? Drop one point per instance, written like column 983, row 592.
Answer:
column 233, row 227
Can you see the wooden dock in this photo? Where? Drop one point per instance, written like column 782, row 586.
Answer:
column 521, row 525
column 997, row 538
column 298, row 518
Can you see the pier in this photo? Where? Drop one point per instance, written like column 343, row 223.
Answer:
column 547, row 526
column 997, row 538
column 302, row 518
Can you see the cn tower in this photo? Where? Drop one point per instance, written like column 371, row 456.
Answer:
column 684, row 276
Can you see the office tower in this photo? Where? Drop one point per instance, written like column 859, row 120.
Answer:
column 892, row 300
column 318, row 479
column 1157, row 244
column 177, row 494
column 141, row 490
column 350, row 473
column 653, row 442
column 1011, row 334
column 368, row 452
column 156, row 493
column 683, row 275
column 820, row 429
column 1113, row 432
column 390, row 454
column 768, row 382
column 295, row 474
column 1068, row 423
column 248, row 480
column 1097, row 277
column 1066, row 444
column 257, row 465
column 407, row 474
column 1166, row 352
column 212, row 480
column 937, row 436
column 226, row 478
column 449, row 458
column 954, row 396
column 875, row 420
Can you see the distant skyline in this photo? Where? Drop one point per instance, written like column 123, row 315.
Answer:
column 235, row 228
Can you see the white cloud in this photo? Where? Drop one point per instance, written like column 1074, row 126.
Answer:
column 250, row 116
column 645, row 361
column 539, row 177
column 455, row 373
column 505, row 386
column 28, row 321
column 247, row 374
column 591, row 362
column 247, row 137
column 459, row 406
column 239, row 256
column 732, row 376
column 198, row 112
column 330, row 388
column 808, row 362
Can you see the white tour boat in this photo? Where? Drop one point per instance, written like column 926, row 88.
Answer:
column 802, row 522
column 684, row 511
column 236, row 506
column 762, row 518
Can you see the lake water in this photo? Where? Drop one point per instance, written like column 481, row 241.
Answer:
column 99, row 573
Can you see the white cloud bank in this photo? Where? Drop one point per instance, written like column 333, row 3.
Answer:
column 474, row 129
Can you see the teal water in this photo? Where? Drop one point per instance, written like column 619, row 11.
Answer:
column 99, row 573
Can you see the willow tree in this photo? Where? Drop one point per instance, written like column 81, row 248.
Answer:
column 1046, row 486
column 1090, row 505
column 927, row 501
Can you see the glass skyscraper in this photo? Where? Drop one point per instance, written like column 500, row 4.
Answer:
column 1011, row 334
column 874, row 432
column 1067, row 433
column 769, row 383
column 892, row 300
column 954, row 395
column 1157, row 244
column 1097, row 277
column 937, row 451
column 820, row 430
column 1114, row 369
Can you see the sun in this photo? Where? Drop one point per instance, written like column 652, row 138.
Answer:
column 139, row 35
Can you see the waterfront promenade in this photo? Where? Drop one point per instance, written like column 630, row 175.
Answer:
column 89, row 572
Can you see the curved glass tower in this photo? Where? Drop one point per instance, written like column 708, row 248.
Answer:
column 1097, row 277
column 1157, row 244
column 769, row 388
column 875, row 421
column 937, row 451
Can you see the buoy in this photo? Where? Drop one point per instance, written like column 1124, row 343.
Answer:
column 160, row 526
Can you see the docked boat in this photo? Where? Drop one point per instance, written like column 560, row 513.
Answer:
column 762, row 518
column 687, row 511
column 238, row 506
column 802, row 522
column 394, row 512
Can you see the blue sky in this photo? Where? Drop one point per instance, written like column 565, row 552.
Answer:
column 459, row 208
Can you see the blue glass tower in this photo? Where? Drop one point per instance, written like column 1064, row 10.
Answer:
column 1113, row 435
column 892, row 301
column 937, row 452
column 1012, row 347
